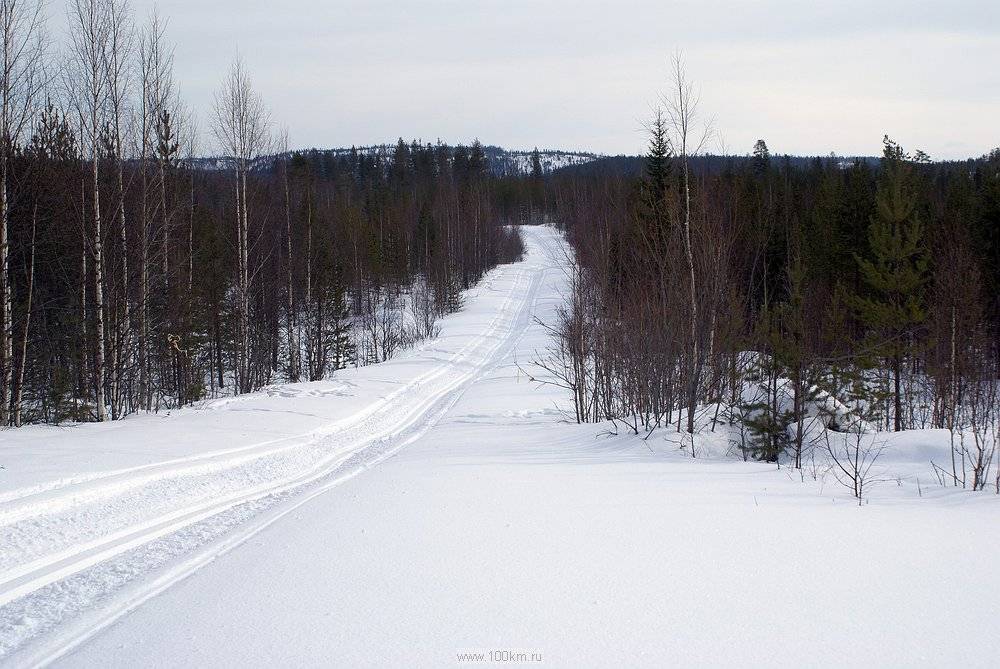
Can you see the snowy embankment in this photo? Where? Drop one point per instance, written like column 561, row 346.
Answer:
column 238, row 534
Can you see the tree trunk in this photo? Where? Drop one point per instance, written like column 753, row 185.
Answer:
column 897, row 397
column 27, row 321
column 693, row 365
column 293, row 345
column 126, row 343
column 99, row 370
column 6, row 331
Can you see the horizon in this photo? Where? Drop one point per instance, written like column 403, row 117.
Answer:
column 585, row 77
column 582, row 152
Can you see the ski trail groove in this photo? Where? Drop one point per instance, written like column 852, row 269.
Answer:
column 257, row 496
column 229, row 475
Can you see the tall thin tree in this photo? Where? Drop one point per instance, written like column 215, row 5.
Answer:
column 90, row 30
column 242, row 128
column 21, row 81
column 688, row 140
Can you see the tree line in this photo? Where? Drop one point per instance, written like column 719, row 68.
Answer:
column 786, row 301
column 132, row 279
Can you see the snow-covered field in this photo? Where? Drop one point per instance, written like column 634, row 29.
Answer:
column 410, row 513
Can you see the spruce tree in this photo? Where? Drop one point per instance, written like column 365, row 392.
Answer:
column 537, row 186
column 536, row 165
column 653, row 221
column 657, row 165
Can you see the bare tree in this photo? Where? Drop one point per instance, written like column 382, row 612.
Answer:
column 242, row 128
column 117, row 57
column 983, row 409
column 291, row 321
column 21, row 81
column 424, row 311
column 381, row 321
column 853, row 456
column 156, row 65
column 687, row 140
column 188, row 141
column 90, row 33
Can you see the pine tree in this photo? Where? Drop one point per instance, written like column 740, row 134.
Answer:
column 764, row 414
column 793, row 355
column 761, row 157
column 896, row 271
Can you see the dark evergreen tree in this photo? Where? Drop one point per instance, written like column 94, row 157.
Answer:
column 896, row 271
column 536, row 165
column 761, row 157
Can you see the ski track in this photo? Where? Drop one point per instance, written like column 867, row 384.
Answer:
column 77, row 555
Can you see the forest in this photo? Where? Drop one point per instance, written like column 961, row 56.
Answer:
column 137, row 279
column 789, row 300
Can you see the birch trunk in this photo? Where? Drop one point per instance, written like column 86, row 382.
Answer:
column 27, row 321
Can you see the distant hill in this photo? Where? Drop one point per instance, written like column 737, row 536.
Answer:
column 502, row 162
column 512, row 162
column 632, row 166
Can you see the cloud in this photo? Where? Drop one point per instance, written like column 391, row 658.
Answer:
column 808, row 77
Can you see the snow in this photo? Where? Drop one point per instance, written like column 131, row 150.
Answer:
column 441, row 503
column 520, row 162
column 502, row 161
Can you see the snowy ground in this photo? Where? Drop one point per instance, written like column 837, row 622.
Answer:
column 411, row 512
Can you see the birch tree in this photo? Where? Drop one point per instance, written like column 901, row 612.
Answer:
column 292, row 325
column 117, row 58
column 21, row 81
column 241, row 126
column 156, row 66
column 687, row 140
column 89, row 36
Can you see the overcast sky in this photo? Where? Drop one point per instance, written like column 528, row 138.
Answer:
column 808, row 77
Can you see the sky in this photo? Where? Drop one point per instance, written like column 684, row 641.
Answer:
column 808, row 77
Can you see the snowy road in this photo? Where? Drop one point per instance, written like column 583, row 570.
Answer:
column 241, row 533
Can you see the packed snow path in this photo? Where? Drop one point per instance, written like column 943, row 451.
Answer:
column 68, row 544
column 239, row 534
